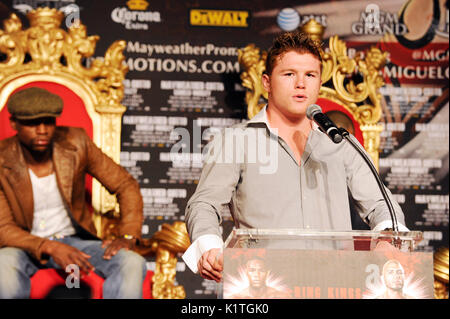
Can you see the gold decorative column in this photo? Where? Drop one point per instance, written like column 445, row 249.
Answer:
column 171, row 240
column 441, row 273
column 254, row 65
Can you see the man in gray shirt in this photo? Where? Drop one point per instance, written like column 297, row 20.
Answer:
column 278, row 170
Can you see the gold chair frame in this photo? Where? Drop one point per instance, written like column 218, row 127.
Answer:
column 362, row 99
column 59, row 56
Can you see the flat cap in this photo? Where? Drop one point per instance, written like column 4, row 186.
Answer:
column 33, row 103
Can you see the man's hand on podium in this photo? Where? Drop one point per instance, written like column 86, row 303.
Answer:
column 386, row 246
column 210, row 265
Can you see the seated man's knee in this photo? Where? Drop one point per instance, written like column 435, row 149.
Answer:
column 14, row 281
column 126, row 281
column 132, row 261
column 9, row 258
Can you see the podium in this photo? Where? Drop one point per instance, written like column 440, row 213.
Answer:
column 321, row 264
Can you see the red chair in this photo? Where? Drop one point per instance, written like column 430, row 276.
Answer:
column 44, row 280
column 74, row 114
column 341, row 117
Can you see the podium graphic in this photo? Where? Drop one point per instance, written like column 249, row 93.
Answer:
column 309, row 264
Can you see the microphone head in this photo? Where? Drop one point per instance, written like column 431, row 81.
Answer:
column 312, row 110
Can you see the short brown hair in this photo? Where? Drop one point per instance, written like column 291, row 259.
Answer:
column 291, row 41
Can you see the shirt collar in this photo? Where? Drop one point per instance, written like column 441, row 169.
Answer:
column 313, row 139
column 261, row 117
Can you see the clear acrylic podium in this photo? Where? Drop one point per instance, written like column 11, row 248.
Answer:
column 320, row 264
column 304, row 238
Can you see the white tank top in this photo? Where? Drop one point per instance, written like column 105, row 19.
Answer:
column 50, row 216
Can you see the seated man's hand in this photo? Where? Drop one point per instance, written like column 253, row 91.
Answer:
column 65, row 255
column 210, row 265
column 113, row 246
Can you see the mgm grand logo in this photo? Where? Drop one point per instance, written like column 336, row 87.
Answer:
column 218, row 18
column 373, row 21
column 135, row 16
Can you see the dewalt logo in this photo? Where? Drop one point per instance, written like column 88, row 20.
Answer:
column 219, row 18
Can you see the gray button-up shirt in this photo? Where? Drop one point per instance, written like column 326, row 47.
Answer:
column 253, row 171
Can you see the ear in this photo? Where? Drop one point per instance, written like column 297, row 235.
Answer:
column 266, row 82
column 13, row 124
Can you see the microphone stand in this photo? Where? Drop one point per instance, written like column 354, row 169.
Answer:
column 345, row 134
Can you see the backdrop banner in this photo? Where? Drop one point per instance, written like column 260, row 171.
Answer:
column 184, row 77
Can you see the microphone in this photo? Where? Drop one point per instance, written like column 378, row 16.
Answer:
column 314, row 113
column 387, row 199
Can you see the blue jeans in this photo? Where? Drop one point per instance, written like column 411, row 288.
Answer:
column 124, row 273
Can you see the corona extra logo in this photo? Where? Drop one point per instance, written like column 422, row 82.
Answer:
column 137, row 5
column 135, row 16
column 219, row 18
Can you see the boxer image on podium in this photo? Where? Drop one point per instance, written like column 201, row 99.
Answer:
column 393, row 277
column 257, row 275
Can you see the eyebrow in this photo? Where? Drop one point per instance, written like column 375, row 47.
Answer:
column 295, row 70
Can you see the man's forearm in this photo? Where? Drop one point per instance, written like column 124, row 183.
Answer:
column 202, row 219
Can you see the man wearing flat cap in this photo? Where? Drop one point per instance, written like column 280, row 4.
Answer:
column 44, row 221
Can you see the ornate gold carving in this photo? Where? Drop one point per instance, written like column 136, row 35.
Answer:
column 361, row 98
column 254, row 65
column 314, row 29
column 343, row 68
column 170, row 241
column 371, row 135
column 47, row 44
column 441, row 260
